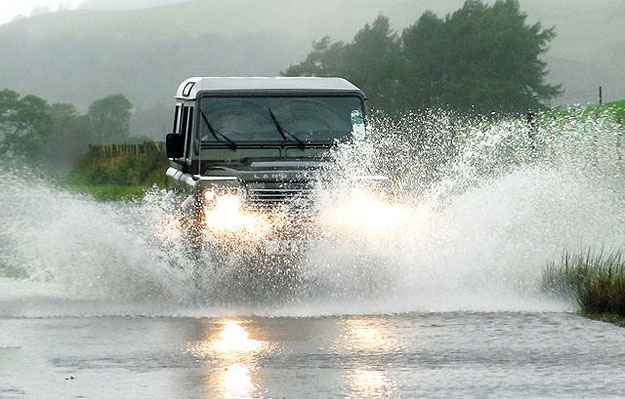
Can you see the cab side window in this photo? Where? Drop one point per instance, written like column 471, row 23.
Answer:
column 189, row 131
column 183, row 124
column 183, row 120
column 176, row 128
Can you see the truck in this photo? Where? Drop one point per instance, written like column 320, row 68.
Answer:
column 247, row 154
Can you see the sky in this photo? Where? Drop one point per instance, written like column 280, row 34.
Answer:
column 10, row 9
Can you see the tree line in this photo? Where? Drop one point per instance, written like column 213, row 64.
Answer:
column 478, row 60
column 33, row 130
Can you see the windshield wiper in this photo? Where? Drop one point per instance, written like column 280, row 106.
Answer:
column 285, row 133
column 216, row 133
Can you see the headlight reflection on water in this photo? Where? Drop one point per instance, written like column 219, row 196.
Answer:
column 237, row 382
column 232, row 344
column 370, row 383
column 367, row 336
column 235, row 339
column 235, row 348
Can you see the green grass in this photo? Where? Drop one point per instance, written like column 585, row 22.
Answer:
column 614, row 109
column 115, row 177
column 595, row 280
column 109, row 192
column 618, row 109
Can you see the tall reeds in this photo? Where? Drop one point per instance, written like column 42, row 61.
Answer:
column 595, row 280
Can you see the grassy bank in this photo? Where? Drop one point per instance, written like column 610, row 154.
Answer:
column 596, row 281
column 109, row 192
column 119, row 173
column 615, row 110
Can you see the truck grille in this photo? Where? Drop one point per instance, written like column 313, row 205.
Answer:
column 279, row 196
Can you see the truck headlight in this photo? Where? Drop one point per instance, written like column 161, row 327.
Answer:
column 222, row 195
column 209, row 196
column 224, row 213
column 363, row 212
column 228, row 203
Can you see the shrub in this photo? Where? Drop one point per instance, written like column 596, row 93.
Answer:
column 145, row 168
column 595, row 280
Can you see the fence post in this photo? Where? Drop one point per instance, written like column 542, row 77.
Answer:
column 600, row 95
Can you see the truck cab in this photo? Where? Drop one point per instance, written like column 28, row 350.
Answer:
column 247, row 151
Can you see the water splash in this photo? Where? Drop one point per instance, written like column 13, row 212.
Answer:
column 483, row 206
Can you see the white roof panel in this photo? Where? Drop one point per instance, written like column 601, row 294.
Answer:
column 190, row 88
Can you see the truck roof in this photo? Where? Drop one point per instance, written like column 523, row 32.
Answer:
column 192, row 87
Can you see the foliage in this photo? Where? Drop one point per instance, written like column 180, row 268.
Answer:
column 69, row 135
column 595, row 281
column 35, row 133
column 123, row 169
column 109, row 119
column 373, row 60
column 24, row 123
column 110, row 192
column 40, row 133
column 479, row 59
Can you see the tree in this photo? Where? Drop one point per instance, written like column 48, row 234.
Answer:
column 424, row 71
column 69, row 135
column 58, row 135
column 24, row 125
column 372, row 61
column 109, row 119
column 480, row 59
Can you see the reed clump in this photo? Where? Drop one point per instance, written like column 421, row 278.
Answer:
column 596, row 281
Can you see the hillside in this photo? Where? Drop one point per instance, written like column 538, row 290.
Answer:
column 79, row 56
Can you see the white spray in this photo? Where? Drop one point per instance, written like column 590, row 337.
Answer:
column 482, row 208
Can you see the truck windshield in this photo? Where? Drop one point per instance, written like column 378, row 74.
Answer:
column 276, row 119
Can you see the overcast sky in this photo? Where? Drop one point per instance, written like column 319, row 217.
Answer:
column 10, row 9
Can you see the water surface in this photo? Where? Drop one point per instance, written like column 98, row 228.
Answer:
column 499, row 355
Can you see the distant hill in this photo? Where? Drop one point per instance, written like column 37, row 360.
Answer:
column 78, row 56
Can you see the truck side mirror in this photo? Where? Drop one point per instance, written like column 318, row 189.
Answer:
column 175, row 145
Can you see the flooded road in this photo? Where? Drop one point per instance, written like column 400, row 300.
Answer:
column 444, row 355
column 99, row 300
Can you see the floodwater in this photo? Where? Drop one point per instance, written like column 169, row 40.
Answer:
column 438, row 355
column 437, row 295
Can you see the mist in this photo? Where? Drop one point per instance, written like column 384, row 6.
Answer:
column 124, row 4
column 98, row 49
